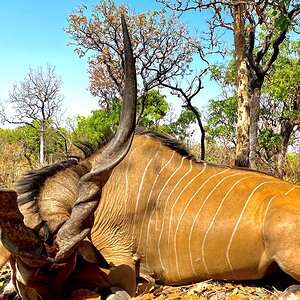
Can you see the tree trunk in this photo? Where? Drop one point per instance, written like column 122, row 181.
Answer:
column 286, row 132
column 242, row 148
column 42, row 142
column 142, row 108
column 198, row 118
column 254, row 106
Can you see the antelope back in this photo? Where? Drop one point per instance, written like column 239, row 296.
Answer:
column 185, row 220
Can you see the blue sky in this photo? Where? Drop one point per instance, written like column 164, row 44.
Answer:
column 32, row 35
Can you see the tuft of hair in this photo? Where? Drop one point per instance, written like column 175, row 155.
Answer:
column 169, row 142
column 28, row 187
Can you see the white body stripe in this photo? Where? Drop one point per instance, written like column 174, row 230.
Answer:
column 165, row 207
column 165, row 185
column 139, row 192
column 171, row 215
column 197, row 215
column 126, row 176
column 239, row 220
column 155, row 210
column 269, row 204
column 216, row 214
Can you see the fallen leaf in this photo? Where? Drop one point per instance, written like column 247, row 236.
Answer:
column 200, row 287
column 191, row 297
column 147, row 296
column 235, row 297
column 229, row 286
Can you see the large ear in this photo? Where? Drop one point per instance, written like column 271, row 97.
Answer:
column 15, row 236
column 80, row 222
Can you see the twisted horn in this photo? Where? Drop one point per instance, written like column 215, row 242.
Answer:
column 15, row 236
column 120, row 144
column 78, row 226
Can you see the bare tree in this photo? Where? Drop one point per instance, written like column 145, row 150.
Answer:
column 162, row 45
column 35, row 101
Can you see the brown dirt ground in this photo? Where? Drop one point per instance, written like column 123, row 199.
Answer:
column 212, row 290
column 206, row 290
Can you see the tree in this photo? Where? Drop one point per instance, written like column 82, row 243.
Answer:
column 93, row 129
column 221, row 119
column 276, row 20
column 280, row 107
column 242, row 86
column 36, row 101
column 181, row 128
column 266, row 24
column 162, row 47
column 155, row 109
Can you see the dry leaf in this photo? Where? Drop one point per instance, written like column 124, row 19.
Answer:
column 229, row 286
column 191, row 297
column 235, row 297
column 147, row 296
column 235, row 291
column 200, row 287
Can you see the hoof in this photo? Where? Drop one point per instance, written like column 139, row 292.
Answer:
column 9, row 292
column 291, row 293
column 118, row 294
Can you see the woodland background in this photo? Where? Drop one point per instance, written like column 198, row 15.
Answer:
column 250, row 48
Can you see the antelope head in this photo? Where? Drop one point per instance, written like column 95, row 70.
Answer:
column 39, row 270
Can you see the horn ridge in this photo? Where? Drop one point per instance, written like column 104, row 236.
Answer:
column 78, row 226
column 120, row 144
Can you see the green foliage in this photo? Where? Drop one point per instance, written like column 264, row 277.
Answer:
column 282, row 90
column 27, row 137
column 279, row 13
column 268, row 139
column 155, row 109
column 8, row 136
column 293, row 168
column 284, row 81
column 282, row 22
column 280, row 105
column 223, row 73
column 93, row 128
column 221, row 120
column 11, row 157
column 181, row 128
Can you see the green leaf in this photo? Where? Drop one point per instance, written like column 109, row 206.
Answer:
column 282, row 23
